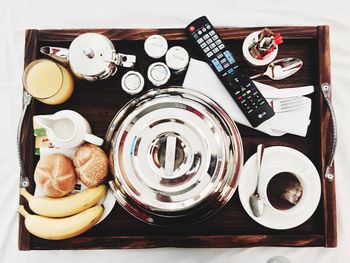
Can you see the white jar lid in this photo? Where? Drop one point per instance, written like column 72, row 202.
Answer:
column 158, row 73
column 132, row 82
column 177, row 58
column 156, row 46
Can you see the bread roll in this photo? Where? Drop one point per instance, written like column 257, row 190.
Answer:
column 55, row 174
column 91, row 164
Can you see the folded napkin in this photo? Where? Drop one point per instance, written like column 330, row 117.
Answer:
column 201, row 77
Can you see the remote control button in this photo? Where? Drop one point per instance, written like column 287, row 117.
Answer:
column 203, row 45
column 217, row 64
column 209, row 54
column 200, row 41
column 250, row 111
column 206, row 36
column 220, row 55
column 204, row 29
column 212, row 45
column 199, row 32
column 211, row 33
column 248, row 92
column 229, row 57
column 239, row 98
column 191, row 29
column 222, row 46
column 223, row 60
column 218, row 42
column 237, row 92
column 215, row 37
column 209, row 41
column 206, row 49
column 195, row 35
column 208, row 26
column 215, row 50
column 230, row 71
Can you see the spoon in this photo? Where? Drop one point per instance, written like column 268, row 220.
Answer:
column 256, row 203
column 281, row 68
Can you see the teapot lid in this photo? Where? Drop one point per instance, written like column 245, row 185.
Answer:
column 90, row 54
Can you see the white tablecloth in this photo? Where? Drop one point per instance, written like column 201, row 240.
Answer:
column 16, row 16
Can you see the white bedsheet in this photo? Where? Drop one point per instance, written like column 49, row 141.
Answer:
column 16, row 16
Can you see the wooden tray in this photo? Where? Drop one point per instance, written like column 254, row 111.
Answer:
column 231, row 227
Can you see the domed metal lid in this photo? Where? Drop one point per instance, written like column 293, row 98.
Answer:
column 174, row 153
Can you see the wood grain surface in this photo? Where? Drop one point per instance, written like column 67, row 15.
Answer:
column 99, row 101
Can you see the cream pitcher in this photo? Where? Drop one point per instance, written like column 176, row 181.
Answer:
column 91, row 56
column 67, row 129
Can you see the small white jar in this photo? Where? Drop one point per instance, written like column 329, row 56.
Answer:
column 132, row 82
column 156, row 46
column 177, row 59
column 158, row 73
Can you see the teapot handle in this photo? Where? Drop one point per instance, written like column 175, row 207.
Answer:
column 124, row 60
column 93, row 139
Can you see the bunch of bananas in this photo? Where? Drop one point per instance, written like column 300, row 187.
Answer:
column 66, row 217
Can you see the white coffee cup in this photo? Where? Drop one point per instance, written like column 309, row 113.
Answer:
column 67, row 129
column 266, row 177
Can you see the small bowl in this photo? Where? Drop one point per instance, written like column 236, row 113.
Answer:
column 251, row 60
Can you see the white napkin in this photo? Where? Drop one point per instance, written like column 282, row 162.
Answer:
column 201, row 77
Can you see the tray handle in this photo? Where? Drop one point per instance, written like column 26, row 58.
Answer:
column 327, row 90
column 24, row 180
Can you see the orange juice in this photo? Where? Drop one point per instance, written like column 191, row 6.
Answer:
column 48, row 81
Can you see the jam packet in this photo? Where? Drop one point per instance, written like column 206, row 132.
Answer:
column 41, row 139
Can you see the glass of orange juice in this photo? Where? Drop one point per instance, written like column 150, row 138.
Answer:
column 48, row 82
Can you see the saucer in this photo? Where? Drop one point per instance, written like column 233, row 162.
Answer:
column 278, row 159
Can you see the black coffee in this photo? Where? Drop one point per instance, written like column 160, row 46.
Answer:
column 284, row 191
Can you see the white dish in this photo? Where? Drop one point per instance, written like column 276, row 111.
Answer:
column 108, row 201
column 251, row 60
column 281, row 159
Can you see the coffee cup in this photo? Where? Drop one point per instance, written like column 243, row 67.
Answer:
column 284, row 191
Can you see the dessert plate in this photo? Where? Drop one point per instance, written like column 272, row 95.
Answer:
column 279, row 159
column 108, row 201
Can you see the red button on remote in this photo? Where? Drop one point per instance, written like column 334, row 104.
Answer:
column 191, row 29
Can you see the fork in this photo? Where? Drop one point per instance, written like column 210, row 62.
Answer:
column 289, row 104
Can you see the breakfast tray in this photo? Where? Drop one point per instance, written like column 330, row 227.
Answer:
column 231, row 227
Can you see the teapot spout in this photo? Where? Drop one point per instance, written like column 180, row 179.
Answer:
column 57, row 53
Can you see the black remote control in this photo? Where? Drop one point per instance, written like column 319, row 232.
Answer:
column 241, row 88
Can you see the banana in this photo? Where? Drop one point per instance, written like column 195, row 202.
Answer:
column 61, row 228
column 64, row 206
